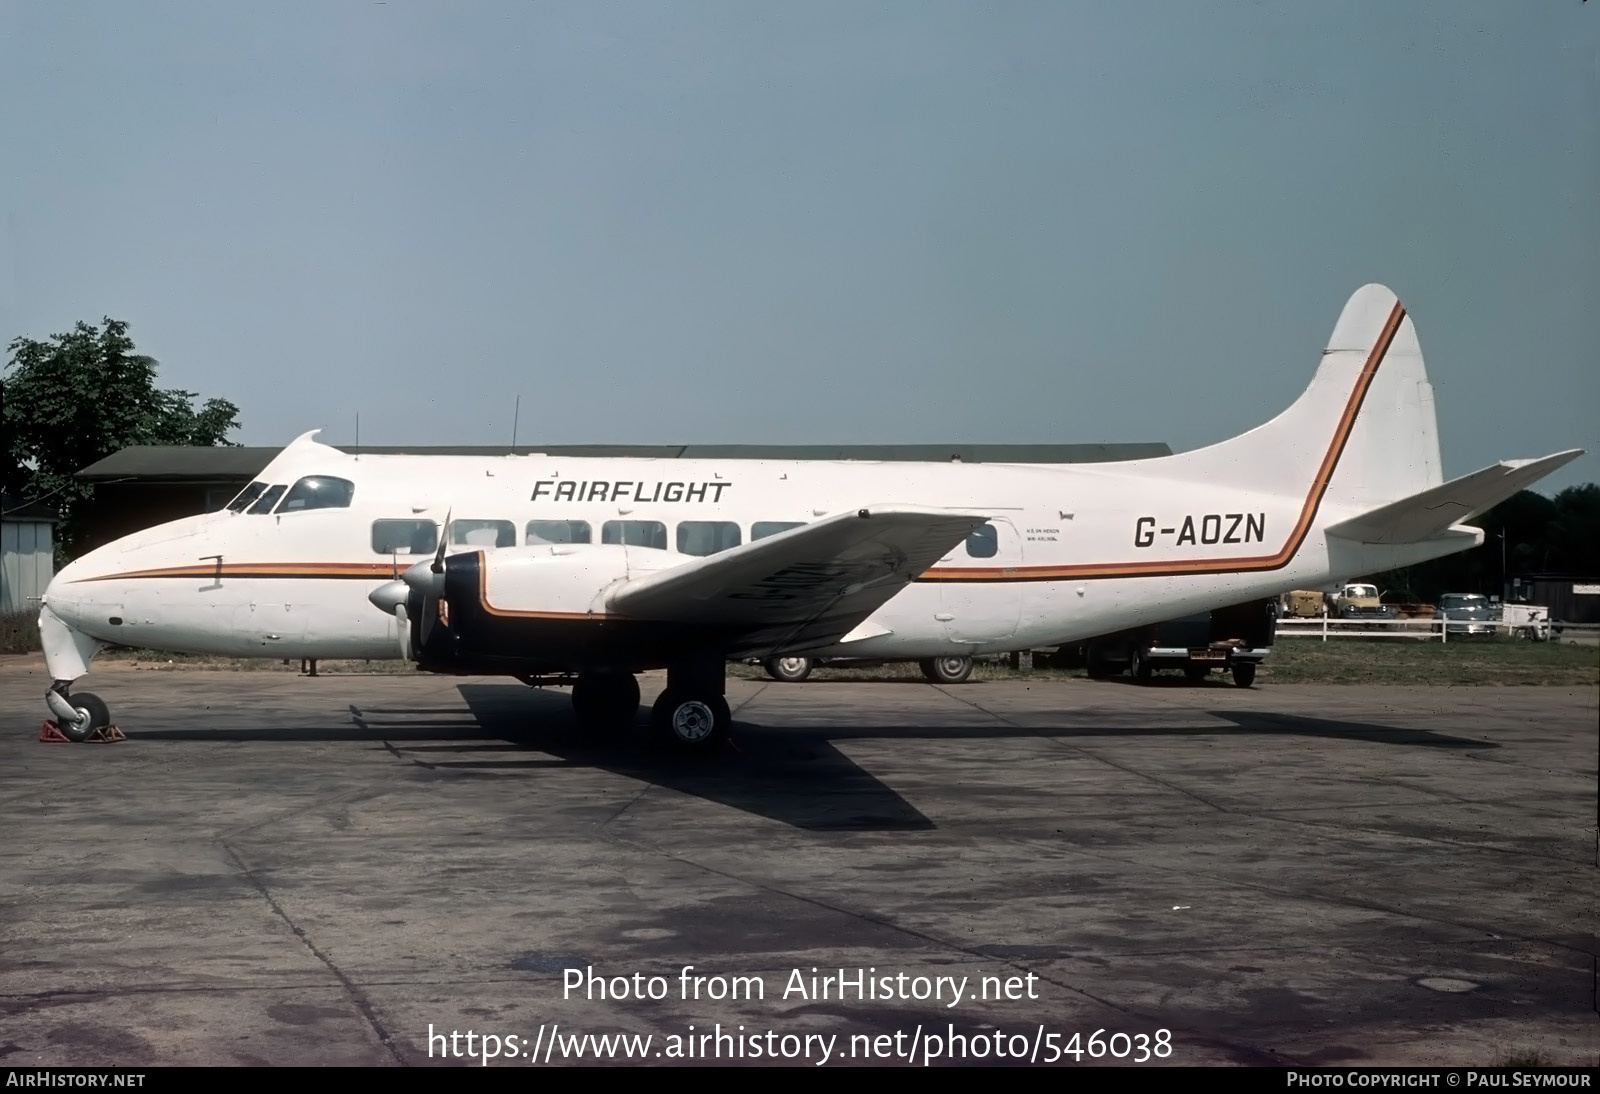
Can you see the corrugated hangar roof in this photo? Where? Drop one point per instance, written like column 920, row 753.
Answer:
column 166, row 463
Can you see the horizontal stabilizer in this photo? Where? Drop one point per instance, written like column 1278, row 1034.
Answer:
column 1426, row 515
column 807, row 586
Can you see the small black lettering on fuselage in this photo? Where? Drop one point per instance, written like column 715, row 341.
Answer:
column 616, row 490
column 1206, row 528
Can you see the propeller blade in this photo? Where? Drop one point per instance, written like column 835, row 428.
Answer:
column 405, row 631
column 444, row 541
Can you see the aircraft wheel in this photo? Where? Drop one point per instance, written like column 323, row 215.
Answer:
column 690, row 722
column 790, row 670
column 947, row 670
column 1196, row 673
column 1244, row 674
column 1139, row 665
column 92, row 712
column 606, row 702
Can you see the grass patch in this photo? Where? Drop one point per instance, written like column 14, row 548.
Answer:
column 19, row 632
column 1462, row 663
column 156, row 660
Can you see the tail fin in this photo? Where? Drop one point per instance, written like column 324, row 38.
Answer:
column 1363, row 434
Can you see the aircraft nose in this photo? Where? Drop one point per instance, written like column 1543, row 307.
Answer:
column 65, row 593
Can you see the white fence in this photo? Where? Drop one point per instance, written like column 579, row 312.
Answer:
column 1423, row 630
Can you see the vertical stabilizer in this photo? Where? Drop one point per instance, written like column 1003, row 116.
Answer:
column 1361, row 435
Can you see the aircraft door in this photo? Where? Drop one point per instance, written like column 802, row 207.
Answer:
column 985, row 609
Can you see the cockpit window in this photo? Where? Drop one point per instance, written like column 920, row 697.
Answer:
column 265, row 503
column 249, row 494
column 318, row 492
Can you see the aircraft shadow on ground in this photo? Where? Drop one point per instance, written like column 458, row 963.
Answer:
column 794, row 775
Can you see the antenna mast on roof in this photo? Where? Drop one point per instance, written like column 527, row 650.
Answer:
column 515, row 415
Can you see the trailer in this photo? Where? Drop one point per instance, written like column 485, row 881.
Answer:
column 1231, row 640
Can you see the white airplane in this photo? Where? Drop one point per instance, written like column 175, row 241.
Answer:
column 592, row 570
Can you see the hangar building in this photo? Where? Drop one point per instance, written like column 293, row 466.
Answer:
column 27, row 553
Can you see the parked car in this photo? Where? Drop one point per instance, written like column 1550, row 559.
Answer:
column 1465, row 613
column 1358, row 601
column 792, row 670
column 1302, row 603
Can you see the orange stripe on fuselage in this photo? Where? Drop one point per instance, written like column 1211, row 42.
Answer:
column 261, row 569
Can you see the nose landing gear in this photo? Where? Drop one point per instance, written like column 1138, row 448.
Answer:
column 79, row 717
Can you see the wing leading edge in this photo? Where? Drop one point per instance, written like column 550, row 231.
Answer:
column 806, row 587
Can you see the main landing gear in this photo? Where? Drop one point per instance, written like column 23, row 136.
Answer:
column 691, row 715
column 78, row 716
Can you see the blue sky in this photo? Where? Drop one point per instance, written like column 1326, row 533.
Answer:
column 811, row 223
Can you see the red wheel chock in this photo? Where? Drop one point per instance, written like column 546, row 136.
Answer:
column 50, row 733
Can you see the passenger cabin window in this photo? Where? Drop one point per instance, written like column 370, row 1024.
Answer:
column 635, row 533
column 706, row 537
column 983, row 542
column 761, row 529
column 265, row 503
column 404, row 537
column 249, row 494
column 318, row 492
column 483, row 533
column 557, row 531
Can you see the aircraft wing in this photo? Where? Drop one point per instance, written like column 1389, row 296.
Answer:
column 1425, row 515
column 803, row 588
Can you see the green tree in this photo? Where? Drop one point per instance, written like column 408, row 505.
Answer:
column 1527, row 533
column 1575, row 531
column 80, row 396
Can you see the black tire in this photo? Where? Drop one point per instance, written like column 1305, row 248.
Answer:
column 690, row 723
column 606, row 702
column 93, row 714
column 1139, row 665
column 1094, row 663
column 1244, row 674
column 789, row 670
column 1196, row 673
column 947, row 670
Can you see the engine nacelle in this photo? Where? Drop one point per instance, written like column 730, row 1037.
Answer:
column 529, row 610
